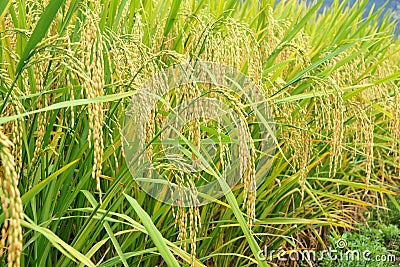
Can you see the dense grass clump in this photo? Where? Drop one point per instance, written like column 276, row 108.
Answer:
column 378, row 241
column 68, row 70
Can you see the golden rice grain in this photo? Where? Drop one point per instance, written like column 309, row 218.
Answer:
column 11, row 204
column 395, row 130
column 41, row 121
column 92, row 49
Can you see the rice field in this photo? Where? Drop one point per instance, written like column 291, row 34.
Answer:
column 310, row 150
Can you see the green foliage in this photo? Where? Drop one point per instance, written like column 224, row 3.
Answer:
column 377, row 242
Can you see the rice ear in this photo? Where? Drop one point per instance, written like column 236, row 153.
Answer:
column 41, row 122
column 11, row 233
column 92, row 49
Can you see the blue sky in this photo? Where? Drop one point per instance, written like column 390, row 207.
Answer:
column 393, row 5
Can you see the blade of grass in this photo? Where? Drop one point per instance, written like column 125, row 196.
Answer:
column 153, row 232
column 40, row 31
column 38, row 34
column 4, row 5
column 56, row 241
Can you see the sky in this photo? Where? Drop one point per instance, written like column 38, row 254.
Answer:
column 393, row 5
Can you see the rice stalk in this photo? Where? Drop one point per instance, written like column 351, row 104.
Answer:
column 11, row 234
column 39, row 71
column 395, row 131
column 92, row 49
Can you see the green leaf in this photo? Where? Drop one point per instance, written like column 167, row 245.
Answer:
column 59, row 243
column 300, row 75
column 292, row 33
column 40, row 31
column 67, row 104
column 39, row 187
column 153, row 233
column 4, row 5
column 172, row 16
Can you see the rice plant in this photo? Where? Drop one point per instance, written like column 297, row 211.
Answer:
column 68, row 72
